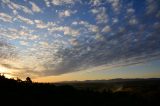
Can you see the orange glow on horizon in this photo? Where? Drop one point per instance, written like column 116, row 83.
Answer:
column 6, row 72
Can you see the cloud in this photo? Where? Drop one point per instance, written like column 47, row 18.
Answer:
column 24, row 43
column 66, row 13
column 115, row 20
column 101, row 15
column 95, row 2
column 66, row 30
column 48, row 4
column 74, row 23
column 99, row 37
column 62, row 2
column 133, row 21
column 130, row 10
column 7, row 51
column 106, row 29
column 12, row 34
column 73, row 42
column 66, row 38
column 151, row 6
column 25, row 20
column 40, row 24
column 35, row 8
column 87, row 26
column 9, row 34
column 33, row 37
column 44, row 25
column 102, row 53
column 13, row 6
column 94, row 11
column 5, row 17
column 70, row 31
column 115, row 4
column 44, row 44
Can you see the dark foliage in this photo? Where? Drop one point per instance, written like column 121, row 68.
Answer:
column 28, row 93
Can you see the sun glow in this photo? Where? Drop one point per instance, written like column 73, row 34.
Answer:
column 3, row 70
column 6, row 72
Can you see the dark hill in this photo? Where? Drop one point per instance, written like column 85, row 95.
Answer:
column 28, row 93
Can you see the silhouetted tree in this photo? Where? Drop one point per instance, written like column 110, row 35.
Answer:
column 19, row 80
column 2, row 76
column 28, row 80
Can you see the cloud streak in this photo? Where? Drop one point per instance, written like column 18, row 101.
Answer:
column 5, row 17
column 35, row 8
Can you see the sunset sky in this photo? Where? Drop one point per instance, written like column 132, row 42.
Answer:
column 62, row 40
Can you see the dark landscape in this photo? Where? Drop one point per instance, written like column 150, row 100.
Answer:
column 123, row 92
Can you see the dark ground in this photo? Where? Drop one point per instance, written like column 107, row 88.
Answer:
column 140, row 92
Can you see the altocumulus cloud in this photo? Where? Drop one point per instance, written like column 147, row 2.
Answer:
column 53, row 37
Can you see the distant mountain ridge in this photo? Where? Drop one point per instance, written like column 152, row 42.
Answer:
column 112, row 80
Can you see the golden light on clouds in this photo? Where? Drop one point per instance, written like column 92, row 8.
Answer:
column 7, row 72
column 3, row 69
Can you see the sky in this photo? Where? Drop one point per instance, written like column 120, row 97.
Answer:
column 62, row 40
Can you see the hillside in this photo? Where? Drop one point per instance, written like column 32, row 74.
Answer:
column 17, row 92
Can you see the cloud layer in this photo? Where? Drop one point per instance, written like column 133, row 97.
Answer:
column 53, row 37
